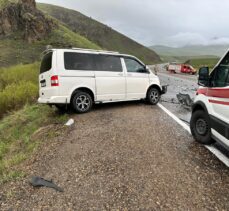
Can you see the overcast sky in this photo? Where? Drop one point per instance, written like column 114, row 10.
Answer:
column 153, row 22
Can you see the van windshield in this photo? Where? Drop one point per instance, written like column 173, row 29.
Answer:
column 46, row 63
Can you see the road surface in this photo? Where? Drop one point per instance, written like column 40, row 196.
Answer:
column 123, row 156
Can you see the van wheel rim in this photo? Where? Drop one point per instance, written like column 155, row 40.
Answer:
column 201, row 126
column 82, row 103
column 154, row 96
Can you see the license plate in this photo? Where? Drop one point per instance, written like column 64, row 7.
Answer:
column 43, row 84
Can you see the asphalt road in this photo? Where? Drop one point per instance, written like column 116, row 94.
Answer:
column 123, row 156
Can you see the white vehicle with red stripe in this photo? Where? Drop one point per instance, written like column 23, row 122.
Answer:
column 210, row 111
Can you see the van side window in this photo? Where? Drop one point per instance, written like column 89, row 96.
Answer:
column 108, row 63
column 220, row 76
column 46, row 63
column 133, row 66
column 79, row 61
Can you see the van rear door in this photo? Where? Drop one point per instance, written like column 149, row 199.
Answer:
column 48, row 80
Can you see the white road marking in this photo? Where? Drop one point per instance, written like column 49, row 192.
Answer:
column 212, row 149
column 180, row 122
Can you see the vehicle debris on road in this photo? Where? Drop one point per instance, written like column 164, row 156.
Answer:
column 185, row 100
column 70, row 122
column 40, row 182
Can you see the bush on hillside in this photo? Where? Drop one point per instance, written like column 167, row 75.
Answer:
column 18, row 86
column 16, row 95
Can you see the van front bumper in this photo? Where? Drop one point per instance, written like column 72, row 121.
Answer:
column 164, row 89
column 54, row 100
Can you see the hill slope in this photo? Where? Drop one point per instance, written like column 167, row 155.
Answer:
column 99, row 33
column 25, row 32
column 192, row 50
column 15, row 50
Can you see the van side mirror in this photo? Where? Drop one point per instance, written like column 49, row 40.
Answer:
column 143, row 70
column 147, row 69
column 203, row 76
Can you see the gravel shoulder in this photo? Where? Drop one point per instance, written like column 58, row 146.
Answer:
column 124, row 156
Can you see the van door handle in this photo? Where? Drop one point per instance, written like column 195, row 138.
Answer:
column 120, row 74
column 129, row 74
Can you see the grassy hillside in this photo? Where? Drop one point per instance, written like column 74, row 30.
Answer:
column 196, row 61
column 19, row 91
column 192, row 50
column 200, row 62
column 14, row 50
column 98, row 33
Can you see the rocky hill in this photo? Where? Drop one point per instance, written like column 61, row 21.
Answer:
column 25, row 31
column 25, row 17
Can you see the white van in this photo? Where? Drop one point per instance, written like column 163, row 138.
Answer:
column 210, row 112
column 82, row 77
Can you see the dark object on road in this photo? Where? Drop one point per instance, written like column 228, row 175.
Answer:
column 40, row 182
column 185, row 100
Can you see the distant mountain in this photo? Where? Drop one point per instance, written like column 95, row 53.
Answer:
column 192, row 50
column 98, row 33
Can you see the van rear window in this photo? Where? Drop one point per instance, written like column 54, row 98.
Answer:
column 46, row 63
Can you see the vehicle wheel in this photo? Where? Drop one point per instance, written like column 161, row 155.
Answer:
column 200, row 127
column 61, row 108
column 153, row 96
column 82, row 102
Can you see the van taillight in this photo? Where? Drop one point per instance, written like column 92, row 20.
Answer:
column 54, row 80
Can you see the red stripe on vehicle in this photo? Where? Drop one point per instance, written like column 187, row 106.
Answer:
column 214, row 92
column 218, row 102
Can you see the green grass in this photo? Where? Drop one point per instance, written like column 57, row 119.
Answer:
column 209, row 62
column 17, row 137
column 19, row 91
column 196, row 61
column 14, row 50
column 18, row 86
column 104, row 36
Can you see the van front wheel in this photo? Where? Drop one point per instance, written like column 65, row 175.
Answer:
column 82, row 102
column 153, row 96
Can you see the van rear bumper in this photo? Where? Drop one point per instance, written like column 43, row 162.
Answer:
column 54, row 100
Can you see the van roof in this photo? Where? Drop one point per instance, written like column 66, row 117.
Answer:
column 84, row 50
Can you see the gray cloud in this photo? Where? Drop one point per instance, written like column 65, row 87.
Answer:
column 168, row 22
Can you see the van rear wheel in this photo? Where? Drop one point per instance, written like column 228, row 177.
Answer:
column 82, row 102
column 200, row 127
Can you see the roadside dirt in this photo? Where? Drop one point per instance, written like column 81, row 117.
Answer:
column 125, row 156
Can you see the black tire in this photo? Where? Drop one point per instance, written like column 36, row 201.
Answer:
column 153, row 96
column 82, row 102
column 201, row 128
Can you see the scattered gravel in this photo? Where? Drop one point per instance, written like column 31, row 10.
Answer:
column 124, row 156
